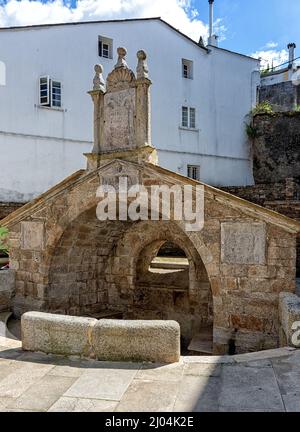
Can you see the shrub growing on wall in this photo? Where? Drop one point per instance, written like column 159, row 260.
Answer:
column 3, row 245
column 262, row 108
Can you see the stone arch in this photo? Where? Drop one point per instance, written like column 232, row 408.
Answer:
column 129, row 262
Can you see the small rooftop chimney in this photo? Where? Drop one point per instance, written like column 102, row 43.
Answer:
column 291, row 48
column 212, row 39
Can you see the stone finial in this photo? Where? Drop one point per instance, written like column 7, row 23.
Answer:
column 142, row 67
column 98, row 81
column 121, row 58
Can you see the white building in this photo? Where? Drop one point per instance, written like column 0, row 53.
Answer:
column 200, row 97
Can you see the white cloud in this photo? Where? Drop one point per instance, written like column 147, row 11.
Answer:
column 271, row 45
column 179, row 13
column 271, row 57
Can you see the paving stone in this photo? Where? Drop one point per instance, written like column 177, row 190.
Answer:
column 68, row 404
column 147, row 396
column 261, row 355
column 198, row 394
column 292, row 401
column 108, row 382
column 43, row 394
column 159, row 372
column 209, row 359
column 66, row 371
column 249, row 388
column 7, row 367
column 9, row 343
column 258, row 364
column 288, row 377
column 202, row 369
column 10, row 353
column 22, row 378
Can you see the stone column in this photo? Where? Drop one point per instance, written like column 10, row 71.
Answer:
column 97, row 95
column 143, row 108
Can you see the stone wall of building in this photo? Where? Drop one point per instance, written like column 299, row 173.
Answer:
column 283, row 96
column 276, row 148
column 6, row 208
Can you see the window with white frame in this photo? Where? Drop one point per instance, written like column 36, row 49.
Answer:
column 185, row 117
column 50, row 92
column 193, row 172
column 188, row 117
column 105, row 47
column 187, row 69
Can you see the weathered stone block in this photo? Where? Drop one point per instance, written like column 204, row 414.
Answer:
column 153, row 341
column 289, row 316
column 243, row 243
column 56, row 334
column 7, row 288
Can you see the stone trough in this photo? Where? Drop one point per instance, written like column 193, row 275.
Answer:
column 109, row 340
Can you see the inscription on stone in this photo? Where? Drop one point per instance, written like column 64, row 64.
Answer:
column 243, row 243
column 32, row 235
column 119, row 120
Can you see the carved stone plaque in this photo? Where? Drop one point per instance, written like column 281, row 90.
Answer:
column 32, row 235
column 112, row 176
column 243, row 243
column 119, row 109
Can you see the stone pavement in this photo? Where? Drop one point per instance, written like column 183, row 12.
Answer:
column 266, row 381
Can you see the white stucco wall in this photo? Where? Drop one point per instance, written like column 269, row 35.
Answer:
column 40, row 146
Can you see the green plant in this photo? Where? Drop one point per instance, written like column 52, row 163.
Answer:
column 262, row 108
column 3, row 236
column 251, row 131
column 297, row 109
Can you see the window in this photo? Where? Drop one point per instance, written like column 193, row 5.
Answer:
column 185, row 117
column 188, row 118
column 56, row 93
column 105, row 47
column 193, row 172
column 187, row 69
column 192, row 118
column 50, row 92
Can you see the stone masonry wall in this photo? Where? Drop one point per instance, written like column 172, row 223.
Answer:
column 282, row 197
column 6, row 208
column 276, row 148
column 283, row 96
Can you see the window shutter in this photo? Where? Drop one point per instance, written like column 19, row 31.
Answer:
column 45, row 90
column 55, row 92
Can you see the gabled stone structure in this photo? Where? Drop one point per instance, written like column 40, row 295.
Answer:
column 68, row 261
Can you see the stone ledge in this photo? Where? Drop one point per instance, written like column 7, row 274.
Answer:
column 151, row 341
column 57, row 334
column 109, row 340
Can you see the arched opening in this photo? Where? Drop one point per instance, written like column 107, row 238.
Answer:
column 172, row 286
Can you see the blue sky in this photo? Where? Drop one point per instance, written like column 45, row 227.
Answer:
column 261, row 28
column 251, row 24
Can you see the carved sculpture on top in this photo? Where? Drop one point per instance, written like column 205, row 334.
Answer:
column 122, row 118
